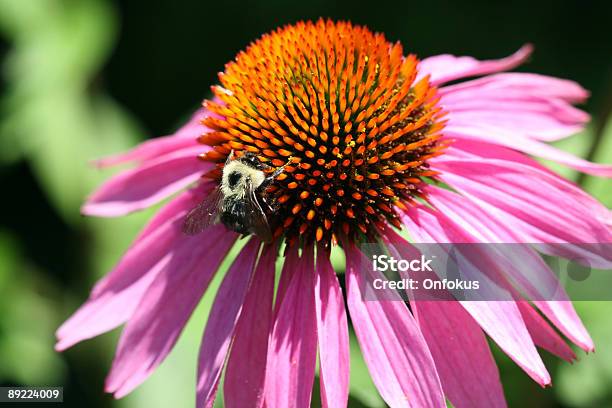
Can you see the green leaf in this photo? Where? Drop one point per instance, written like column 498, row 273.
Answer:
column 28, row 318
column 51, row 115
column 587, row 383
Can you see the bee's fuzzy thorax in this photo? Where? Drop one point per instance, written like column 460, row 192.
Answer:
column 256, row 178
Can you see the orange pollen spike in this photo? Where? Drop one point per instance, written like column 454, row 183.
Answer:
column 337, row 112
column 319, row 233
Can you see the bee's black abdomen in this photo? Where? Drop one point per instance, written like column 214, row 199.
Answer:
column 234, row 216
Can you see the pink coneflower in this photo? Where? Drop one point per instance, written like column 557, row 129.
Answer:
column 370, row 141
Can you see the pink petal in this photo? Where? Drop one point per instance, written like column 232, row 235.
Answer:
column 459, row 348
column 184, row 137
column 139, row 188
column 501, row 320
column 332, row 332
column 246, row 366
column 178, row 208
column 513, row 109
column 546, row 120
column 522, row 124
column 290, row 265
column 107, row 311
column 513, row 84
column 528, row 198
column 463, row 149
column 115, row 297
column 165, row 308
column 194, row 127
column 393, row 347
column 293, row 345
column 150, row 150
column 222, row 322
column 446, row 67
column 563, row 315
column 506, row 137
column 543, row 335
column 531, row 276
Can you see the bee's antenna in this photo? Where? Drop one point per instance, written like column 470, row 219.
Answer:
column 282, row 168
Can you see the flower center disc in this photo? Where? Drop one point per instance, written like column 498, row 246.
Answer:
column 342, row 107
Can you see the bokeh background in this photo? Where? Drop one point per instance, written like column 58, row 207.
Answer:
column 81, row 79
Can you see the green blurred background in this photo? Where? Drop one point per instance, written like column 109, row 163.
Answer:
column 83, row 78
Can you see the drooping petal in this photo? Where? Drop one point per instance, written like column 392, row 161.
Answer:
column 184, row 137
column 507, row 117
column 444, row 68
column 246, row 366
column 529, row 199
column 519, row 103
column 290, row 265
column 139, row 188
column 221, row 323
column 115, row 297
column 515, row 83
column 464, row 149
column 463, row 359
column 107, row 311
column 543, row 335
column 563, row 315
column 468, row 372
column 150, row 150
column 332, row 332
column 494, row 134
column 501, row 320
column 165, row 308
column 531, row 275
column 170, row 217
column 393, row 347
column 178, row 207
column 292, row 351
column 194, row 128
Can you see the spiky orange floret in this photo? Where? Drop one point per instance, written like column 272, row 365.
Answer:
column 343, row 107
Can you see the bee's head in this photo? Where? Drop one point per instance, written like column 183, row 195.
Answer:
column 250, row 159
column 241, row 174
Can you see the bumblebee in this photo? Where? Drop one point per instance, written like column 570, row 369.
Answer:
column 239, row 201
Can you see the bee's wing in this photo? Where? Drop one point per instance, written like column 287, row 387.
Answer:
column 256, row 218
column 205, row 214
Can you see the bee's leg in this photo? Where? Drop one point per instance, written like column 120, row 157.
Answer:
column 268, row 180
column 268, row 205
